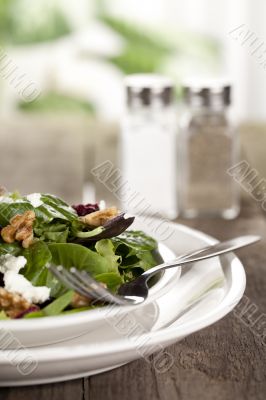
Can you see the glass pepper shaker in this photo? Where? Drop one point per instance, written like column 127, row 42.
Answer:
column 148, row 146
column 208, row 147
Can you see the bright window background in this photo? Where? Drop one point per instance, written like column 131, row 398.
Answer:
column 77, row 52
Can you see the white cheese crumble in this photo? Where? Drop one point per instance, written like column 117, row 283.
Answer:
column 17, row 283
column 35, row 199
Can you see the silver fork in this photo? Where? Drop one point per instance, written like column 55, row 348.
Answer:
column 135, row 292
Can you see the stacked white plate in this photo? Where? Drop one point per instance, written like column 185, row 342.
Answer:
column 61, row 348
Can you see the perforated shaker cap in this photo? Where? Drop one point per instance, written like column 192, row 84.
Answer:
column 207, row 92
column 149, row 88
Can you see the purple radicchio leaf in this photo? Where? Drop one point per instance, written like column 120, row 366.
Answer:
column 31, row 309
column 84, row 209
column 113, row 227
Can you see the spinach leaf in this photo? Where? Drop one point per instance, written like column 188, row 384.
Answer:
column 53, row 232
column 74, row 255
column 135, row 240
column 112, row 280
column 10, row 248
column 146, row 260
column 9, row 210
column 137, row 251
column 58, row 207
column 37, row 256
column 52, row 208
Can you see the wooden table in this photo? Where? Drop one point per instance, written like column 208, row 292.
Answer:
column 224, row 361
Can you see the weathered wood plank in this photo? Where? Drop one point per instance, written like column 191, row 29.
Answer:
column 58, row 391
column 38, row 155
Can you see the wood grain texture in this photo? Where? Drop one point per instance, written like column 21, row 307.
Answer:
column 43, row 155
column 64, row 391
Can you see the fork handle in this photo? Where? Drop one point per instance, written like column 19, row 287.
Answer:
column 204, row 253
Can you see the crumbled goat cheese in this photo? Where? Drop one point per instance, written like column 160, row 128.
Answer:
column 17, row 283
column 35, row 199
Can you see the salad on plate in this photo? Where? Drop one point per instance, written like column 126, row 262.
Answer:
column 41, row 229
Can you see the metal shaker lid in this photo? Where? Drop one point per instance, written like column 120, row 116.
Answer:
column 147, row 88
column 207, row 92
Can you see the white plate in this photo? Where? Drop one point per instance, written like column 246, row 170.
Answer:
column 175, row 316
column 49, row 330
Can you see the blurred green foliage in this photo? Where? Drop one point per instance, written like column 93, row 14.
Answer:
column 56, row 103
column 20, row 24
column 142, row 52
column 25, row 22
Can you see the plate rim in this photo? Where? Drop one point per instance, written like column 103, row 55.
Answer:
column 163, row 335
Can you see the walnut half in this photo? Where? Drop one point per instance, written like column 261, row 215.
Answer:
column 20, row 229
column 80, row 301
column 13, row 304
column 99, row 218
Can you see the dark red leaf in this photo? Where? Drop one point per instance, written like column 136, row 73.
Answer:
column 84, row 209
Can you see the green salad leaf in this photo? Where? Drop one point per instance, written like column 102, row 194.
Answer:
column 38, row 256
column 52, row 208
column 136, row 240
column 61, row 238
column 10, row 248
column 111, row 279
column 9, row 210
column 137, row 251
column 55, row 308
column 3, row 315
column 74, row 255
column 58, row 305
column 77, row 310
column 106, row 249
column 58, row 207
column 52, row 232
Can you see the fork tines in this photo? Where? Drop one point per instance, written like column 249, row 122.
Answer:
column 84, row 284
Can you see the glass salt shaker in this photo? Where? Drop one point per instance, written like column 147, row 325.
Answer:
column 208, row 147
column 148, row 146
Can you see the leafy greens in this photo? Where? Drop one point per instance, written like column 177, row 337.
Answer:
column 109, row 253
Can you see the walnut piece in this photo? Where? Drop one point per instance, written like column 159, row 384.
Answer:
column 13, row 304
column 99, row 218
column 20, row 229
column 80, row 301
